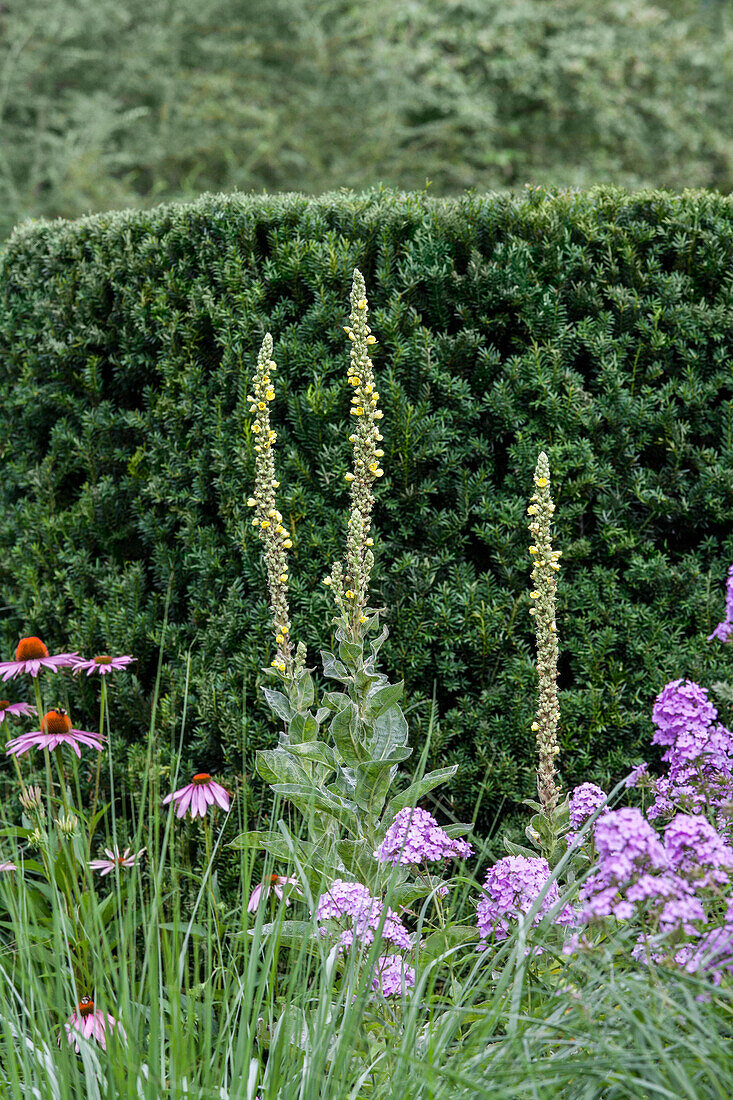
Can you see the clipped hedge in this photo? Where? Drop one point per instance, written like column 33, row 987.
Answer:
column 597, row 326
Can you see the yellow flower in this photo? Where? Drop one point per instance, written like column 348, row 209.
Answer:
column 542, row 481
column 287, row 544
column 535, row 726
column 261, row 405
column 532, row 510
column 270, row 395
column 359, row 410
column 255, row 427
column 379, row 454
column 265, row 523
column 352, row 439
column 361, row 304
column 371, row 340
column 327, row 580
column 362, row 618
column 378, row 473
column 279, row 639
column 255, row 523
column 349, row 594
column 374, row 466
column 276, row 484
column 251, row 502
column 534, row 595
column 283, row 578
column 348, row 477
column 378, row 414
column 370, row 542
column 279, row 528
column 533, row 550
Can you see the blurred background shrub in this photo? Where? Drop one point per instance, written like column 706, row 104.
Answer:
column 106, row 104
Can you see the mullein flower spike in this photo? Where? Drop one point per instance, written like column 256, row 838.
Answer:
column 267, row 519
column 544, row 588
column 349, row 583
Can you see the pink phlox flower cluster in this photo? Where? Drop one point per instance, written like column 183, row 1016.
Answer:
column 414, row 836
column 635, row 775
column 511, row 888
column 711, row 955
column 392, row 976
column 724, row 630
column 632, row 866
column 351, row 901
column 584, row 801
column 697, row 851
column 698, row 752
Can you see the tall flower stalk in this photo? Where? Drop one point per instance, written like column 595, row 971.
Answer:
column 544, row 580
column 267, row 519
column 349, row 581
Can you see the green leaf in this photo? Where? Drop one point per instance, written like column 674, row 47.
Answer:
column 454, row 935
column 303, row 691
column 333, row 668
column 278, row 703
column 309, row 798
column 389, row 732
column 280, row 847
column 317, row 751
column 351, row 652
column 519, row 849
column 344, row 729
column 303, row 727
column 373, row 778
column 459, row 828
column 417, row 789
column 383, row 698
column 280, row 766
column 288, row 931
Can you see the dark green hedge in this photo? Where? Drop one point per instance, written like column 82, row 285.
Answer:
column 597, row 326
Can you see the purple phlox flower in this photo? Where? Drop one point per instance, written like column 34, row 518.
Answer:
column 56, row 729
column 91, row 1023
column 101, row 665
column 414, row 836
column 682, row 912
column 351, row 901
column 31, row 655
column 392, row 975
column 724, row 630
column 629, row 854
column 198, row 795
column 697, row 851
column 635, row 775
column 511, row 888
column 7, row 708
column 584, row 801
column 115, row 858
column 711, row 955
column 272, row 883
column 680, row 707
column 6, row 865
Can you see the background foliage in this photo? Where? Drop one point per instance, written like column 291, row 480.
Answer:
column 596, row 326
column 105, row 104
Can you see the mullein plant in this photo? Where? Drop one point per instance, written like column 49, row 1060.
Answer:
column 550, row 820
column 336, row 762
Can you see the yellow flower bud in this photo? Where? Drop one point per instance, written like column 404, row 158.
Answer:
column 251, row 502
column 327, row 580
column 378, row 414
column 378, row 473
column 276, row 484
column 535, row 727
column 287, row 544
column 370, row 542
column 361, row 304
column 348, row 477
column 255, row 523
column 371, row 340
column 279, row 528
column 533, row 550
column 352, row 439
column 379, row 454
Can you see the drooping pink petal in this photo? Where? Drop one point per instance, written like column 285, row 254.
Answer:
column 220, row 795
column 254, row 899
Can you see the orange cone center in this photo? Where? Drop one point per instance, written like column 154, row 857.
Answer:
column 29, row 649
column 86, row 1006
column 56, row 721
column 201, row 779
column 4, row 703
column 103, row 660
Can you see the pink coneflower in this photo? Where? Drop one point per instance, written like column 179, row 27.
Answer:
column 91, row 1023
column 14, row 708
column 200, row 793
column 128, row 858
column 6, row 865
column 102, row 665
column 55, row 730
column 272, row 882
column 31, row 656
